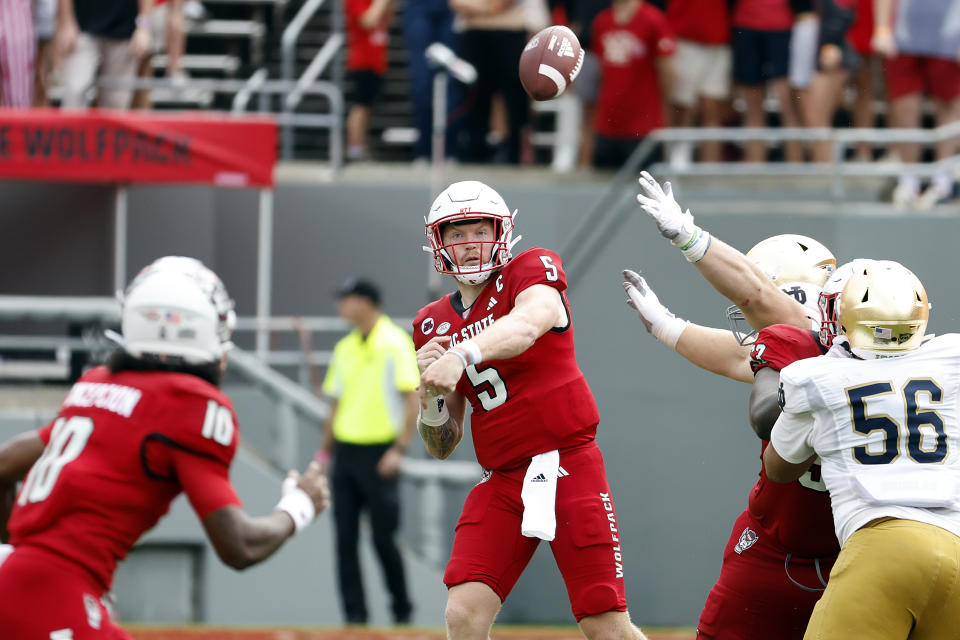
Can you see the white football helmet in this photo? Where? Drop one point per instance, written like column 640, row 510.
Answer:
column 883, row 310
column 177, row 307
column 793, row 258
column 463, row 201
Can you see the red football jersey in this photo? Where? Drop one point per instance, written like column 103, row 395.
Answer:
column 535, row 402
column 121, row 449
column 796, row 514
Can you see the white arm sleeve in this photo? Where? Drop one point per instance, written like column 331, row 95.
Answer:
column 791, row 436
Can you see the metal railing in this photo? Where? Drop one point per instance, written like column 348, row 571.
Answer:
column 323, row 57
column 617, row 202
column 333, row 121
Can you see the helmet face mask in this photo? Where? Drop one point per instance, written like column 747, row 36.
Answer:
column 463, row 203
column 883, row 310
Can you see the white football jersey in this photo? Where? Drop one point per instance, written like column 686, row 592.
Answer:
column 887, row 432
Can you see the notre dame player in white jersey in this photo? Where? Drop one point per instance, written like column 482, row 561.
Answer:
column 882, row 410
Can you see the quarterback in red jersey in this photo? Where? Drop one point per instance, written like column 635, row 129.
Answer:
column 504, row 341
column 129, row 437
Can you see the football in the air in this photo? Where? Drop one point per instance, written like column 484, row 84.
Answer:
column 550, row 62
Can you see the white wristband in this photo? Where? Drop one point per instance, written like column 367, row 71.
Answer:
column 697, row 246
column 472, row 351
column 299, row 506
column 436, row 413
column 668, row 332
column 460, row 354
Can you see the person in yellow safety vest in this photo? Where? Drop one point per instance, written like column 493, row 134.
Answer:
column 371, row 383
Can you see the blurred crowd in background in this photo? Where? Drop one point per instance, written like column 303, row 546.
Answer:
column 649, row 64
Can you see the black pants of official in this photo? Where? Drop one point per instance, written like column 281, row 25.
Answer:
column 357, row 487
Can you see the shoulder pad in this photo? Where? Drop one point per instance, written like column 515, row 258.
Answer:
column 780, row 345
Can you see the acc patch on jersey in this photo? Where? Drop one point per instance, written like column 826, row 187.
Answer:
column 426, row 326
column 748, row 538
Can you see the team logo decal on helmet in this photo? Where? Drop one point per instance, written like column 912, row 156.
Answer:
column 468, row 201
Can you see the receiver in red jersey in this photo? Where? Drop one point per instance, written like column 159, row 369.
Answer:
column 534, row 402
column 113, row 463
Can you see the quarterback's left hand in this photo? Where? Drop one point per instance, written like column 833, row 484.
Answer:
column 441, row 377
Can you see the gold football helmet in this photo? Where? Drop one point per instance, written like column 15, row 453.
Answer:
column 883, row 309
column 793, row 258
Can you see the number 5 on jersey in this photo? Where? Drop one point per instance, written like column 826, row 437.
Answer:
column 551, row 268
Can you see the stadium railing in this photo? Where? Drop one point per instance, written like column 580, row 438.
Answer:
column 321, row 60
column 260, row 84
column 617, row 201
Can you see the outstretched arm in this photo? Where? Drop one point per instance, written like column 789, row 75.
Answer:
column 744, row 284
column 715, row 350
column 728, row 270
column 239, row 539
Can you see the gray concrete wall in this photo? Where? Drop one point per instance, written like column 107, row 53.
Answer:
column 679, row 453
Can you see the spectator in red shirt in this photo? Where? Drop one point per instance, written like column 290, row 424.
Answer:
column 761, row 53
column 702, row 67
column 366, row 64
column 635, row 43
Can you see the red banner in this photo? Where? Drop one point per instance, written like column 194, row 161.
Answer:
column 102, row 145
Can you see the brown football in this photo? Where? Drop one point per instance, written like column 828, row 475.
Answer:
column 550, row 62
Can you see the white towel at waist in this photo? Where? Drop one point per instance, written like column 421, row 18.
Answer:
column 539, row 495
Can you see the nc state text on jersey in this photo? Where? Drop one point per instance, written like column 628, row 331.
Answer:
column 471, row 330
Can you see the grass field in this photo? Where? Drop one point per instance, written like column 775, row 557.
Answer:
column 504, row 633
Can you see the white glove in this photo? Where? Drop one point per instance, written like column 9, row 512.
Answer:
column 659, row 321
column 674, row 224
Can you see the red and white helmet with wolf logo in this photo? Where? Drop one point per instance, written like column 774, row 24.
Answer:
column 467, row 201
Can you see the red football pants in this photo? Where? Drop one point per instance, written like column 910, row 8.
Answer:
column 44, row 594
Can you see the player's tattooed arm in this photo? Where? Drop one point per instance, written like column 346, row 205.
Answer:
column 764, row 402
column 17, row 455
column 442, row 440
